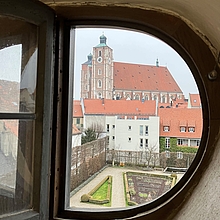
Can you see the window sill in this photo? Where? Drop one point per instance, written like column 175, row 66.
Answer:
column 27, row 214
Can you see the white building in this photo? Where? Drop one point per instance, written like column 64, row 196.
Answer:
column 130, row 125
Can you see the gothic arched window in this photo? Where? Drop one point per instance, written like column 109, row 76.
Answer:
column 99, row 83
column 137, row 97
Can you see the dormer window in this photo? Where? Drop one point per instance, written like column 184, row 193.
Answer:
column 182, row 129
column 166, row 128
column 191, row 129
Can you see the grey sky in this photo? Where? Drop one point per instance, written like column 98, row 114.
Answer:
column 132, row 47
column 10, row 63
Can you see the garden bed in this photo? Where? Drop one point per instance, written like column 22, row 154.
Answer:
column 101, row 194
column 143, row 188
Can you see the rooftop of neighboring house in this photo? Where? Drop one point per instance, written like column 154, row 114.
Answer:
column 128, row 76
column 194, row 101
column 9, row 96
column 175, row 118
column 119, row 107
column 176, row 103
column 75, row 130
column 77, row 109
column 9, row 103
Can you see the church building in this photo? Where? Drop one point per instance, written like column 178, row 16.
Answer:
column 101, row 77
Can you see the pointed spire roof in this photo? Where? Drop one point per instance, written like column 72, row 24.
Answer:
column 157, row 63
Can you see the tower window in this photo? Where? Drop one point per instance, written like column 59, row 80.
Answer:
column 100, row 53
column 99, row 72
column 99, row 83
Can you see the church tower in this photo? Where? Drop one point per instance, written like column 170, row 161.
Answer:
column 102, row 71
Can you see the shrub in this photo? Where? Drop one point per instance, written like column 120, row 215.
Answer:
column 85, row 198
column 132, row 192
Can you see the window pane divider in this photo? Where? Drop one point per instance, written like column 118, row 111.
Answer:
column 30, row 116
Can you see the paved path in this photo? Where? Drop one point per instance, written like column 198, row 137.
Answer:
column 118, row 197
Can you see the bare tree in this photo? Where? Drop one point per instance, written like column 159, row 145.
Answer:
column 151, row 155
column 97, row 128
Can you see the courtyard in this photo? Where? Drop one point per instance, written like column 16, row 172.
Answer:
column 118, row 191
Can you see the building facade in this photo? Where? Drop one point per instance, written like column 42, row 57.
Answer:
column 101, row 77
column 184, row 124
column 129, row 125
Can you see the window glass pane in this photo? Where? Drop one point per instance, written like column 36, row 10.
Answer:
column 16, row 168
column 18, row 55
column 139, row 106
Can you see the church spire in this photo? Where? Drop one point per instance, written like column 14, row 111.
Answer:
column 157, row 63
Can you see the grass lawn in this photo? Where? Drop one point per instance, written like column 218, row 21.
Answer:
column 101, row 192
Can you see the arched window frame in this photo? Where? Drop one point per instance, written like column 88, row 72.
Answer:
column 158, row 204
column 99, row 83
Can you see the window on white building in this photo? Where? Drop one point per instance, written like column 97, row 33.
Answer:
column 107, row 127
column 167, row 142
column 141, row 143
column 113, row 126
column 129, row 139
column 166, row 128
column 129, row 128
column 197, row 143
column 141, row 130
column 113, row 138
column 179, row 155
column 191, row 129
column 146, row 130
column 182, row 129
column 146, row 143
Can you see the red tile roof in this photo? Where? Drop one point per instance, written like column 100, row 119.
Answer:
column 75, row 130
column 195, row 100
column 174, row 118
column 77, row 109
column 129, row 76
column 119, row 107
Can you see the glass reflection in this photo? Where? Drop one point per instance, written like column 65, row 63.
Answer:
column 18, row 55
column 16, row 142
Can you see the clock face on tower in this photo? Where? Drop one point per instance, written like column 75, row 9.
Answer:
column 99, row 59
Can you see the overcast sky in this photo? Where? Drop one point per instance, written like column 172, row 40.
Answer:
column 132, row 47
